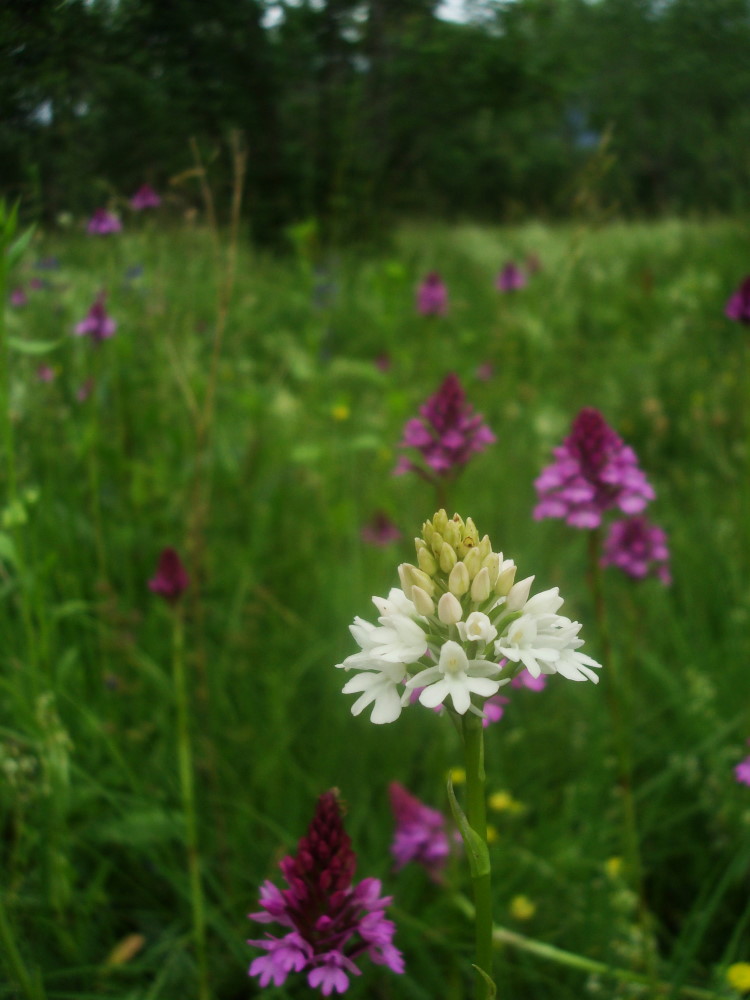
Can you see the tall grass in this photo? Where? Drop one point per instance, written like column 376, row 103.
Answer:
column 627, row 318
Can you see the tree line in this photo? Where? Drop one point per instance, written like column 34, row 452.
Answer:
column 357, row 112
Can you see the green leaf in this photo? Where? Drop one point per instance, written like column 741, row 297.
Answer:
column 16, row 250
column 33, row 346
column 476, row 848
column 491, row 988
column 7, row 548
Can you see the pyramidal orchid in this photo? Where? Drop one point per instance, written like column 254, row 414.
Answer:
column 639, row 548
column 97, row 323
column 330, row 921
column 103, row 223
column 171, row 579
column 145, row 197
column 445, row 435
column 593, row 471
column 432, row 296
column 420, row 832
column 510, row 279
column 738, row 306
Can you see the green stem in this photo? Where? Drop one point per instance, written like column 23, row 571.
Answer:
column 32, row 989
column 502, row 936
column 185, row 764
column 476, row 814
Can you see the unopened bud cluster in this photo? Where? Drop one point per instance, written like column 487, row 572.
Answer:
column 459, row 629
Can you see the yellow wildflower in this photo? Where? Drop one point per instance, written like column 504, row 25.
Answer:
column 522, row 908
column 738, row 976
column 457, row 775
column 340, row 412
column 504, row 802
column 613, row 867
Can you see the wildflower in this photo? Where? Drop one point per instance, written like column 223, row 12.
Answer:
column 522, row 908
column 738, row 306
column 340, row 412
column 420, row 832
column 97, row 324
column 446, row 434
column 492, row 834
column 457, row 775
column 742, row 771
column 593, row 471
column 494, row 709
column 613, row 867
column 432, row 296
column 103, row 223
column 171, row 577
column 38, row 284
column 331, row 922
column 380, row 530
column 45, row 373
column 18, row 298
column 738, row 976
column 84, row 390
column 145, row 197
column 526, row 680
column 484, row 372
column 459, row 630
column 638, row 548
column 510, row 279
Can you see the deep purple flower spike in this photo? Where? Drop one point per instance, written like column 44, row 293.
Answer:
column 593, row 471
column 638, row 548
column 738, row 306
column 446, row 434
column 380, row 530
column 331, row 922
column 742, row 772
column 510, row 279
column 420, row 832
column 103, row 223
column 171, row 578
column 97, row 324
column 432, row 296
column 145, row 197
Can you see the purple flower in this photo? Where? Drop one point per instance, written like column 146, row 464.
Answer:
column 84, row 391
column 432, row 296
column 18, row 298
column 446, row 434
column 420, row 832
column 45, row 373
column 145, row 197
column 494, row 709
column 380, row 530
column 593, row 471
column 638, row 548
column 526, row 680
column 742, row 771
column 171, row 578
column 331, row 921
column 738, row 306
column 97, row 324
column 102, row 223
column 510, row 279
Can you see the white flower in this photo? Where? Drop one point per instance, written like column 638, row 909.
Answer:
column 456, row 677
column 477, row 628
column 380, row 687
column 398, row 639
column 546, row 642
column 397, row 603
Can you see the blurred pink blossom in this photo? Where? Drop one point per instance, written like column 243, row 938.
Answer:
column 97, row 323
column 18, row 298
column 45, row 373
column 432, row 296
column 171, row 579
column 103, row 223
column 738, row 306
column 421, row 833
column 380, row 530
column 638, row 548
column 510, row 279
column 145, row 197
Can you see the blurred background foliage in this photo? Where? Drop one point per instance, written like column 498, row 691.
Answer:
column 356, row 113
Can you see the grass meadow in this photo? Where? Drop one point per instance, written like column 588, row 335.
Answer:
column 252, row 424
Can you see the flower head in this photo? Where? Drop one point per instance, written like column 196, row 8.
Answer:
column 432, row 296
column 446, row 434
column 420, row 832
column 171, row 578
column 145, row 197
column 638, row 548
column 45, row 373
column 380, row 530
column 97, row 323
column 593, row 471
column 742, row 772
column 331, row 921
column 459, row 630
column 510, row 279
column 738, row 976
column 103, row 223
column 738, row 306
column 18, row 298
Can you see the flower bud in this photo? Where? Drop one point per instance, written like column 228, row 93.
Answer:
column 485, row 546
column 505, row 578
column 480, row 588
column 422, row 601
column 410, row 577
column 519, row 594
column 440, row 520
column 436, row 542
column 426, row 561
column 448, row 557
column 473, row 561
column 449, row 609
column 427, row 531
column 452, row 534
column 492, row 564
column 458, row 580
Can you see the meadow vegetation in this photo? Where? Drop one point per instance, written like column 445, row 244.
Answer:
column 253, row 426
